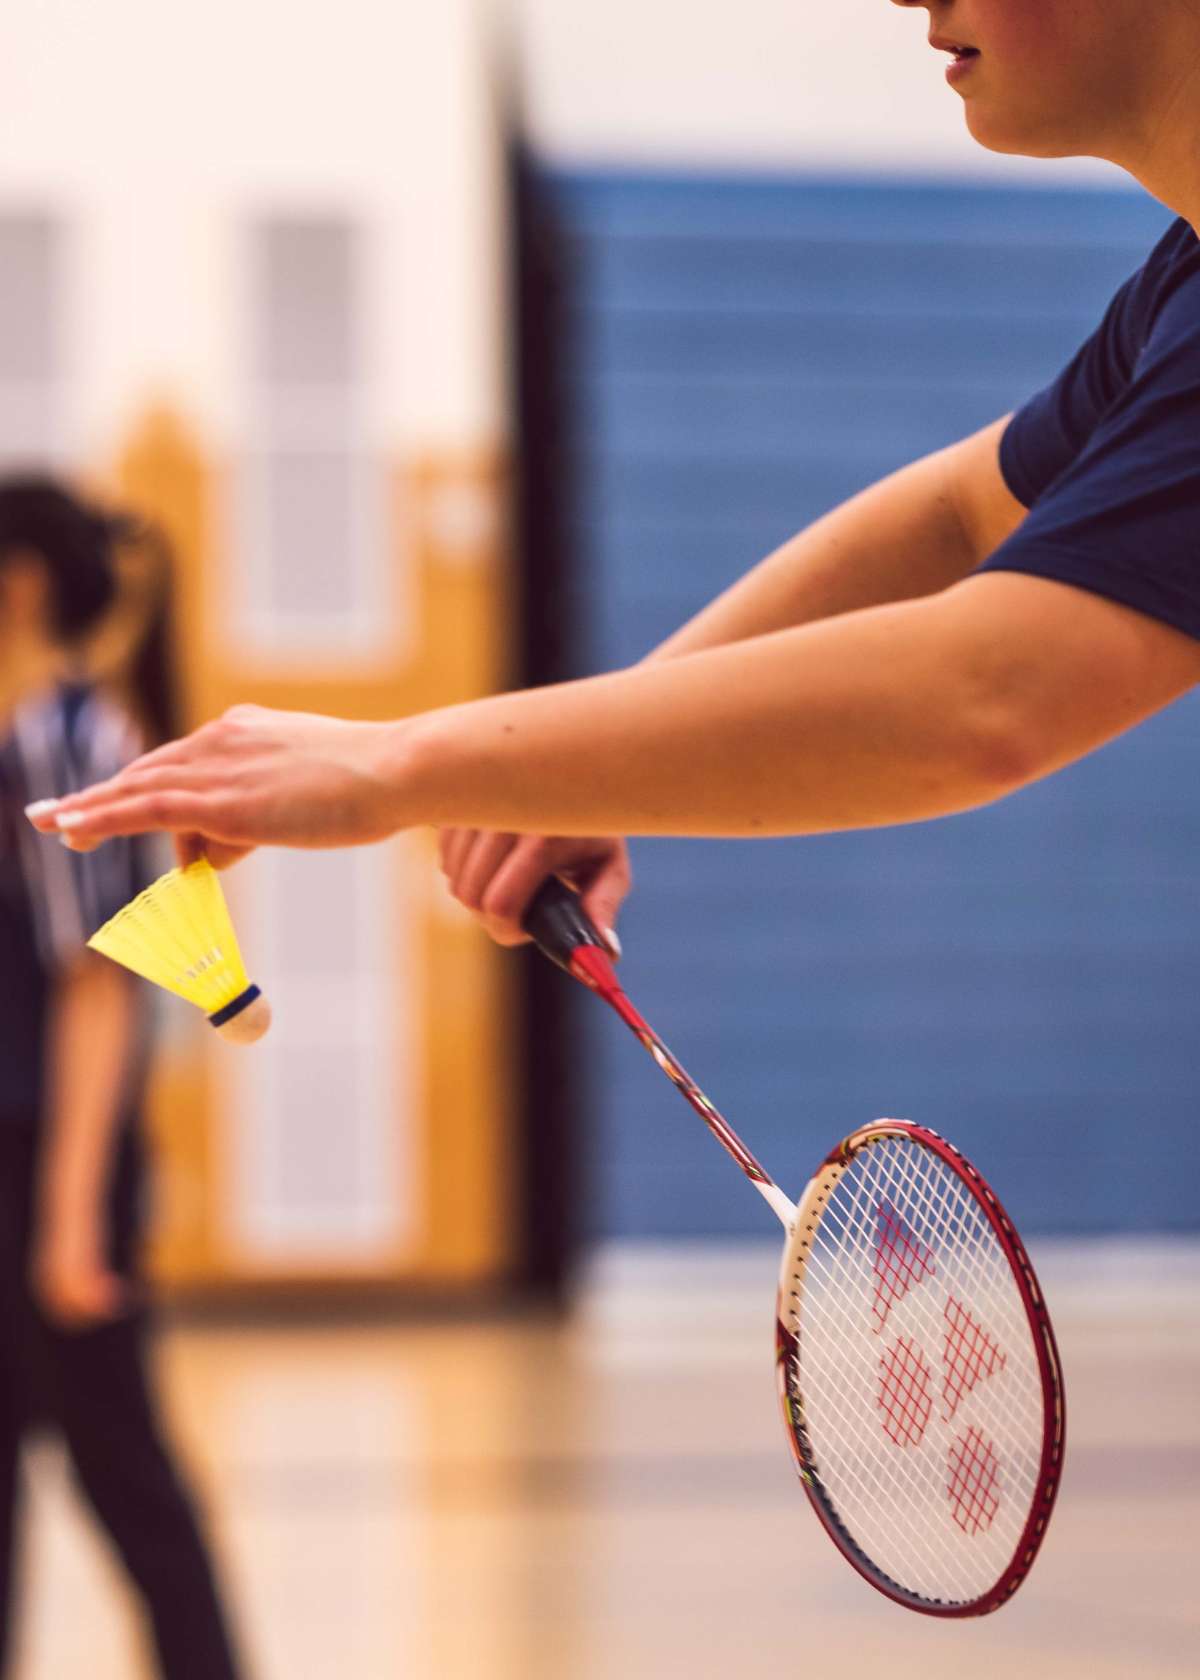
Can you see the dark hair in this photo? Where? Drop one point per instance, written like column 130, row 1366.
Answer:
column 75, row 542
column 78, row 544
column 153, row 680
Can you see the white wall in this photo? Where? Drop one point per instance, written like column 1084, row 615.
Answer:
column 821, row 83
column 156, row 128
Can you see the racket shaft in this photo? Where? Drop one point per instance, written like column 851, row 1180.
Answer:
column 563, row 931
column 589, row 965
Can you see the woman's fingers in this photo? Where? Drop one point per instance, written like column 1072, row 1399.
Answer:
column 472, row 860
column 47, row 814
column 603, row 894
column 454, row 845
column 75, row 812
column 158, row 811
column 473, row 880
column 513, row 886
column 170, row 797
column 75, row 1288
column 496, row 875
column 168, row 763
column 78, row 1302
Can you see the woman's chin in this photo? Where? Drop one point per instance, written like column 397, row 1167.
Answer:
column 1012, row 138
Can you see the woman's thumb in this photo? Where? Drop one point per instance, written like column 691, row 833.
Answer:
column 602, row 901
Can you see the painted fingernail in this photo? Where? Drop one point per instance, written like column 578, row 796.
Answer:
column 71, row 819
column 40, row 808
column 614, row 944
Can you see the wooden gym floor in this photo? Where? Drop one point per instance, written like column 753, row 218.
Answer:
column 611, row 1499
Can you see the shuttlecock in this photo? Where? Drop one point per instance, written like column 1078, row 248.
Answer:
column 178, row 934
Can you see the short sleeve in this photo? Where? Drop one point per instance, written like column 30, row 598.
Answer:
column 1123, row 519
column 1107, row 459
column 1051, row 429
column 102, row 740
column 65, row 744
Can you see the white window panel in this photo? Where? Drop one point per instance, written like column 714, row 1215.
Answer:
column 30, row 342
column 308, row 287
column 314, row 417
column 30, row 425
column 313, row 576
column 29, row 263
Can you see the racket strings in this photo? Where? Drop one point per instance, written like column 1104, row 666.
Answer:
column 917, row 1374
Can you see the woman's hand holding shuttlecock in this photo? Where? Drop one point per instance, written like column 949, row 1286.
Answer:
column 253, row 777
column 261, row 777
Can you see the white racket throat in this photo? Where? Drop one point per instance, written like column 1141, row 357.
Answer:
column 782, row 1206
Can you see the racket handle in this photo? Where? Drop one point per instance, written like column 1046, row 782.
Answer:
column 558, row 924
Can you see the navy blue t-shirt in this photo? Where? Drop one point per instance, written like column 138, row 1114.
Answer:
column 1107, row 457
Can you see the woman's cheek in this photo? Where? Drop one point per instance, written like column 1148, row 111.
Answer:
column 1030, row 35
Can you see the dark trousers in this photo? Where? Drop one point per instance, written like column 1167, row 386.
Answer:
column 94, row 1388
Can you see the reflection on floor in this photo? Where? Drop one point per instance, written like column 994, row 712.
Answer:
column 611, row 1499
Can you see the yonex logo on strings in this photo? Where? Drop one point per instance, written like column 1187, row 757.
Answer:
column 906, row 1381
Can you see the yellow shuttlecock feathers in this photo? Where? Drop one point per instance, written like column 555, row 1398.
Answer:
column 179, row 935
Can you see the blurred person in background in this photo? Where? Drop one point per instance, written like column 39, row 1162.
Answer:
column 73, row 1059
column 976, row 621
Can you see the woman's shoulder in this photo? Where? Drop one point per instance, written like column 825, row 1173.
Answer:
column 1172, row 268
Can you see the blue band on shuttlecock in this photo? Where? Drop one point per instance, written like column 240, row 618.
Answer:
column 242, row 1001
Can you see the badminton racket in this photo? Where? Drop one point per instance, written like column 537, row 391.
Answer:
column 917, row 1368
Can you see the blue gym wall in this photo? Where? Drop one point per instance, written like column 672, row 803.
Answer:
column 739, row 355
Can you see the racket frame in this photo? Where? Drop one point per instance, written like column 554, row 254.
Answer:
column 809, row 1212
column 565, row 934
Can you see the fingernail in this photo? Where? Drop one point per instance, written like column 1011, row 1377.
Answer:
column 40, row 808
column 70, row 819
column 614, row 944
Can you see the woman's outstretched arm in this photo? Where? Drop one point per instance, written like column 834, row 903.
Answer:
column 888, row 715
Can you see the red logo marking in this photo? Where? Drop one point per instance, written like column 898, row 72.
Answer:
column 968, row 1357
column 901, row 1262
column 974, row 1485
column 904, row 1397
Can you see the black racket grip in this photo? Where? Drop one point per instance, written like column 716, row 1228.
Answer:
column 558, row 924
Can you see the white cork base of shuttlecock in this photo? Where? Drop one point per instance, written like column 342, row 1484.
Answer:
column 249, row 1024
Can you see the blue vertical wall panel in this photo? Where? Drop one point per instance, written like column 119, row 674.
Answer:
column 739, row 356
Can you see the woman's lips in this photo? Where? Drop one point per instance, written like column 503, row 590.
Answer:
column 964, row 62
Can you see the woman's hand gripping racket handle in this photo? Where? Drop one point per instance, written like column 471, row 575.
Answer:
column 562, row 931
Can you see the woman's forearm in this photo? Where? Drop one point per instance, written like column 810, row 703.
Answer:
column 915, row 532
column 90, row 1044
column 876, row 717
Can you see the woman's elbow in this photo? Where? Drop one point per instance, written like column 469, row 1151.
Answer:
column 1005, row 744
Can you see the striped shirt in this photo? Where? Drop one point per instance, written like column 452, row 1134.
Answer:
column 51, row 899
